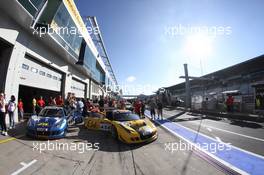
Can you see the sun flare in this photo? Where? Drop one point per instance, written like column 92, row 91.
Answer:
column 198, row 46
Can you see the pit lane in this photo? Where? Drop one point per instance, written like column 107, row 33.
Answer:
column 112, row 156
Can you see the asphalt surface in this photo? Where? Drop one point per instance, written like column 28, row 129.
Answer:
column 112, row 157
column 242, row 134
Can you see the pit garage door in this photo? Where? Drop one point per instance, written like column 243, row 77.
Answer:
column 78, row 88
column 34, row 74
column 37, row 80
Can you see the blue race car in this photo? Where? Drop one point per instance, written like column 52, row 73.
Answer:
column 51, row 123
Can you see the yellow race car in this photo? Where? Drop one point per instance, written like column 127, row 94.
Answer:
column 123, row 125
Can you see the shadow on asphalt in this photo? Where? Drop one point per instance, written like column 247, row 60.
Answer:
column 175, row 116
column 170, row 108
column 245, row 124
column 212, row 118
column 186, row 119
column 19, row 131
column 106, row 142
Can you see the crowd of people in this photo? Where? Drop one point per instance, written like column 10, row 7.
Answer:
column 40, row 103
column 8, row 107
column 156, row 105
column 72, row 103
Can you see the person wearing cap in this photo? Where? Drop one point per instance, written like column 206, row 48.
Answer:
column 3, row 114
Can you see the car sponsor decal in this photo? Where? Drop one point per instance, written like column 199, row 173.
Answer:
column 43, row 124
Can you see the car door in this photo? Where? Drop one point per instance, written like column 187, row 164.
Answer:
column 105, row 124
column 93, row 121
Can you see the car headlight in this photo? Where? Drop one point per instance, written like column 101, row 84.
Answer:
column 30, row 122
column 127, row 130
column 59, row 124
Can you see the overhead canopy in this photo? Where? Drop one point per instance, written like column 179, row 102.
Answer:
column 212, row 93
column 232, row 92
column 260, row 83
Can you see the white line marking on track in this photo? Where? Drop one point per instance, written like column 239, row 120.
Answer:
column 206, row 152
column 198, row 132
column 209, row 129
column 218, row 139
column 25, row 166
column 242, row 135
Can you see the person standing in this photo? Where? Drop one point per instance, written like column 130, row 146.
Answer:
column 89, row 104
column 152, row 106
column 101, row 103
column 11, row 109
column 67, row 101
column 114, row 103
column 85, row 109
column 50, row 102
column 80, row 106
column 230, row 103
column 53, row 102
column 41, row 103
column 59, row 101
column 143, row 108
column 122, row 105
column 137, row 107
column 73, row 103
column 159, row 107
column 20, row 107
column 110, row 103
column 34, row 105
column 3, row 114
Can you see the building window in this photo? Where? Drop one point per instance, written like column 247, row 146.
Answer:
column 34, row 70
column 42, row 73
column 32, row 6
column 24, row 66
column 49, row 76
column 55, row 78
column 66, row 32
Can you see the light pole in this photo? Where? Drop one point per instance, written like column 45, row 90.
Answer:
column 188, row 99
column 187, row 88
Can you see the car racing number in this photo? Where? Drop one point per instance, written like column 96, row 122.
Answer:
column 105, row 126
column 91, row 124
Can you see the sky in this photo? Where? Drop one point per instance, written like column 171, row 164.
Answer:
column 148, row 41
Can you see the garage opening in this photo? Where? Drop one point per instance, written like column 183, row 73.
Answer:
column 78, row 88
column 5, row 53
column 27, row 93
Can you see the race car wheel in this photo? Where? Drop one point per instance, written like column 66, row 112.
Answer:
column 114, row 132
